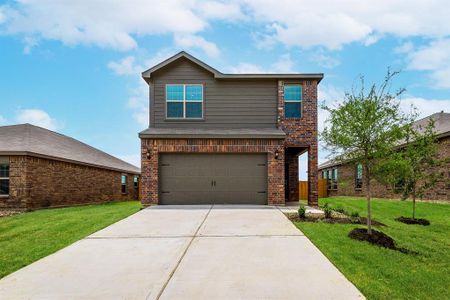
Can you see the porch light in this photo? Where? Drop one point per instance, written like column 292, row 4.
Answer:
column 277, row 154
column 148, row 155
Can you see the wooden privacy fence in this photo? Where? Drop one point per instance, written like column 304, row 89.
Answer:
column 303, row 189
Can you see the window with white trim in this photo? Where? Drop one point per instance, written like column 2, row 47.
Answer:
column 4, row 176
column 292, row 101
column 124, row 180
column 184, row 101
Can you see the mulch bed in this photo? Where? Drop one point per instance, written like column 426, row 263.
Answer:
column 412, row 221
column 377, row 238
column 334, row 220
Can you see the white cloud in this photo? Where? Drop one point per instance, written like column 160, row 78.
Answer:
column 404, row 48
column 37, row 117
column 230, row 11
column 138, row 102
column 330, row 96
column 333, row 24
column 30, row 43
column 194, row 41
column 125, row 66
column 2, row 120
column 434, row 57
column 114, row 24
column 325, row 60
column 425, row 107
column 284, row 64
column 134, row 159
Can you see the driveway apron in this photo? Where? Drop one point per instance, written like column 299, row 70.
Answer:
column 186, row 252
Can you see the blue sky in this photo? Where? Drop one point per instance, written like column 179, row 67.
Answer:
column 74, row 66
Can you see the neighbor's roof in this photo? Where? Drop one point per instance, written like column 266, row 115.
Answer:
column 235, row 133
column 441, row 123
column 26, row 139
column 217, row 74
column 441, row 128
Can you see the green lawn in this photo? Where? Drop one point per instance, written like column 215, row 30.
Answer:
column 381, row 273
column 27, row 237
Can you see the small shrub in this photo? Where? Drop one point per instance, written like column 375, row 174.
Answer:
column 301, row 212
column 340, row 209
column 355, row 214
column 327, row 210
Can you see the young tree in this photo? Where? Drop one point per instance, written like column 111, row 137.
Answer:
column 364, row 128
column 408, row 169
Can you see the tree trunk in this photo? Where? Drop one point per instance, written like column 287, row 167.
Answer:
column 414, row 204
column 368, row 196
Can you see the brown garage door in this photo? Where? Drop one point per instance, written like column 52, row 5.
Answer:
column 213, row 178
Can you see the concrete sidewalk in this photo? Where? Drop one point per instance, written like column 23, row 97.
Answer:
column 186, row 252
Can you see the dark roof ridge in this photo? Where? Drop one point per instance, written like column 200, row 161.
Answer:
column 217, row 74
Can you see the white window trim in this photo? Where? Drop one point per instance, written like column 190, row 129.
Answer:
column 295, row 101
column 124, row 184
column 7, row 178
column 184, row 101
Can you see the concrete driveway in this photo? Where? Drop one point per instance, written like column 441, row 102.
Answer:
column 186, row 252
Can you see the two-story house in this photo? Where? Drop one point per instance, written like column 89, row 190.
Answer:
column 227, row 138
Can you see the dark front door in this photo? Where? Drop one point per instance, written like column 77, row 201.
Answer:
column 213, row 178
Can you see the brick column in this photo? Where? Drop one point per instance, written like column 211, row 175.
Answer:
column 292, row 161
column 275, row 173
column 313, row 198
column 149, row 173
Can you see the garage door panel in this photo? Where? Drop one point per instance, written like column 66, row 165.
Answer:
column 239, row 178
column 240, row 197
column 185, row 197
column 183, row 184
column 240, row 183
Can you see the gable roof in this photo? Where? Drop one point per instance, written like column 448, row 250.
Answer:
column 441, row 129
column 219, row 75
column 26, row 139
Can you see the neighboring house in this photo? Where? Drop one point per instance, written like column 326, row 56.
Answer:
column 227, row 138
column 41, row 168
column 346, row 179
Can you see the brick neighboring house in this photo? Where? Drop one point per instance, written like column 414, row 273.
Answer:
column 41, row 168
column 345, row 179
column 226, row 138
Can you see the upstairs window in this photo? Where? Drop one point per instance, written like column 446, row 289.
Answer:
column 124, row 180
column 358, row 177
column 4, row 176
column 293, row 101
column 184, row 101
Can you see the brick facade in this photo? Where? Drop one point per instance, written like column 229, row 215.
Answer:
column 301, row 137
column 40, row 182
column 151, row 148
column 302, row 134
column 441, row 190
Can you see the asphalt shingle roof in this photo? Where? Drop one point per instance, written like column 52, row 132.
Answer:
column 34, row 140
column 268, row 133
